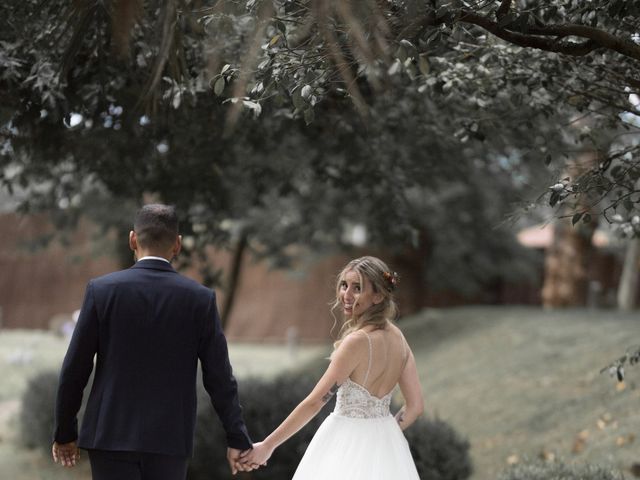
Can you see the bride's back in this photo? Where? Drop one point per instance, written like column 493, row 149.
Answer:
column 381, row 365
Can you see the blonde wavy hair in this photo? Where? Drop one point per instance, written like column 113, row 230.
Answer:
column 383, row 281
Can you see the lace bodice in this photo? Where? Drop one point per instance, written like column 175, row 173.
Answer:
column 355, row 401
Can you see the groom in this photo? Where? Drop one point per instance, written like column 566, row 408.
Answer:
column 147, row 327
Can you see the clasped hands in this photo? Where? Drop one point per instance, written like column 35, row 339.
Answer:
column 248, row 460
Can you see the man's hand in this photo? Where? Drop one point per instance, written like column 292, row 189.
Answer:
column 66, row 454
column 233, row 457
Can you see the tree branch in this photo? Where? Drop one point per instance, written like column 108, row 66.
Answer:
column 168, row 23
column 596, row 38
column 503, row 9
column 530, row 41
column 604, row 39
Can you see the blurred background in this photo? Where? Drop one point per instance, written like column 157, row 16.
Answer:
column 488, row 152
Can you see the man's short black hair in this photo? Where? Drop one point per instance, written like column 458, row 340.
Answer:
column 156, row 226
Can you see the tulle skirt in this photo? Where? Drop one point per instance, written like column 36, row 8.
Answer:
column 347, row 448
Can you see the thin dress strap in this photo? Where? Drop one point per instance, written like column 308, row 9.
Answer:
column 366, row 376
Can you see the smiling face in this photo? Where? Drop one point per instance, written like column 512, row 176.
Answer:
column 356, row 294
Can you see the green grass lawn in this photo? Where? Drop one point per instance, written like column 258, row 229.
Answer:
column 522, row 383
column 517, row 382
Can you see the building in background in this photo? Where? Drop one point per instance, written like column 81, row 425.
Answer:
column 42, row 287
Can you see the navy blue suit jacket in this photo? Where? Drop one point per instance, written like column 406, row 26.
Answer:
column 146, row 326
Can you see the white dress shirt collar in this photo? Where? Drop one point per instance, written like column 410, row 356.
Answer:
column 149, row 257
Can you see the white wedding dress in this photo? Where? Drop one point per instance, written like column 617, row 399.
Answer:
column 360, row 439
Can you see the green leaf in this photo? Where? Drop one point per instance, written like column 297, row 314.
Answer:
column 401, row 53
column 309, row 115
column 423, row 65
column 576, row 218
column 218, row 87
column 407, row 44
column 617, row 172
column 297, row 99
column 274, row 40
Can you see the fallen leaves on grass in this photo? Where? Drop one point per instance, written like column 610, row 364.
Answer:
column 547, row 455
column 623, row 440
column 580, row 442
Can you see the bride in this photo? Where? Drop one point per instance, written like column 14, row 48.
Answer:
column 360, row 439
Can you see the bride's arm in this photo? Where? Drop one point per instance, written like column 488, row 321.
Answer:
column 343, row 361
column 412, row 392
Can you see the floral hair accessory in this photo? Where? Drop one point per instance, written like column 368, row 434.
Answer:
column 391, row 278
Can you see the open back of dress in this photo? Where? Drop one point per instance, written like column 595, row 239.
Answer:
column 361, row 440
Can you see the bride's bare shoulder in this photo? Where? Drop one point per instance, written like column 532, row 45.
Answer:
column 394, row 329
column 353, row 342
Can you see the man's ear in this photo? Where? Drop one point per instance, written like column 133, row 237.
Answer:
column 177, row 246
column 133, row 241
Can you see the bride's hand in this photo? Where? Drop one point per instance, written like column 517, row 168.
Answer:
column 257, row 456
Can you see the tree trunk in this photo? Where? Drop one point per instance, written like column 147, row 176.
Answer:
column 234, row 278
column 412, row 266
column 566, row 266
column 566, row 281
column 628, row 287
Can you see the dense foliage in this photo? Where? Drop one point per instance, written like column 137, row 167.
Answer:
column 273, row 123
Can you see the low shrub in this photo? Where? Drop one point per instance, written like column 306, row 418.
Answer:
column 266, row 403
column 439, row 452
column 37, row 413
column 559, row 471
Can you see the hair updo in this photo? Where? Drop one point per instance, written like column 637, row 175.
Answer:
column 383, row 281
